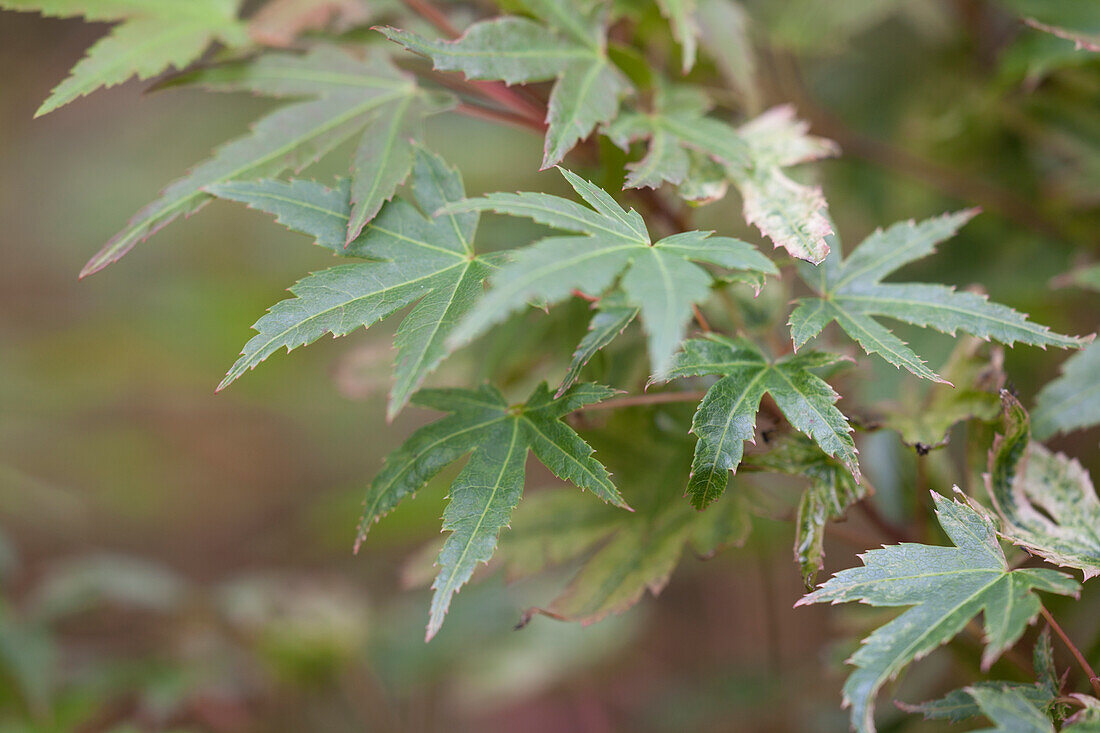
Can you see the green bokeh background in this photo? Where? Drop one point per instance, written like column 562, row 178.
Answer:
column 174, row 559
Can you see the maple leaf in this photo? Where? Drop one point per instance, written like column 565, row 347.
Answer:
column 345, row 95
column 851, row 292
column 567, row 43
column 726, row 417
column 946, row 587
column 831, row 492
column 1046, row 501
column 1072, row 401
column 659, row 278
column 752, row 157
column 488, row 488
column 153, row 36
column 416, row 259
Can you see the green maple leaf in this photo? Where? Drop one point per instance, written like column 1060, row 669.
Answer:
column 752, row 157
column 1072, row 401
column 1046, row 501
column 726, row 417
column 659, row 278
column 567, row 43
column 946, row 587
column 851, row 292
column 831, row 492
column 153, row 36
column 416, row 259
column 345, row 96
column 622, row 556
column 484, row 494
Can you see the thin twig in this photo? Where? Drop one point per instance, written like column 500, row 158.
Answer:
column 435, row 16
column 645, row 399
column 884, row 525
column 1093, row 679
column 495, row 115
column 701, row 319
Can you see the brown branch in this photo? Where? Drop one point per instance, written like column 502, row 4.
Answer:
column 1093, row 679
column 645, row 399
column 881, row 523
column 435, row 16
column 701, row 319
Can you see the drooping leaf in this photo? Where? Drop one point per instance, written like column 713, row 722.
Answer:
column 416, row 259
column 566, row 43
column 1072, row 401
column 946, row 587
column 726, row 417
column 753, row 157
column 851, row 292
column 972, row 382
column 613, row 315
column 347, row 96
column 831, row 492
column 153, row 36
column 488, row 488
column 1046, row 501
column 659, row 279
column 1087, row 719
column 622, row 555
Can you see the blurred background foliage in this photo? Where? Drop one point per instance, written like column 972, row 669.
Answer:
column 175, row 561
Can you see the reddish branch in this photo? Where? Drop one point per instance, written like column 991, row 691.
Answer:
column 1093, row 679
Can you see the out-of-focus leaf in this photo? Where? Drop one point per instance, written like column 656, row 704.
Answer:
column 1010, row 710
column 753, row 156
column 87, row 582
column 659, row 279
column 831, row 492
column 280, row 22
column 851, row 292
column 1046, row 501
column 685, row 28
column 484, row 494
column 1075, row 21
column 973, row 384
column 726, row 417
column 1072, row 401
column 568, row 44
column 946, row 587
